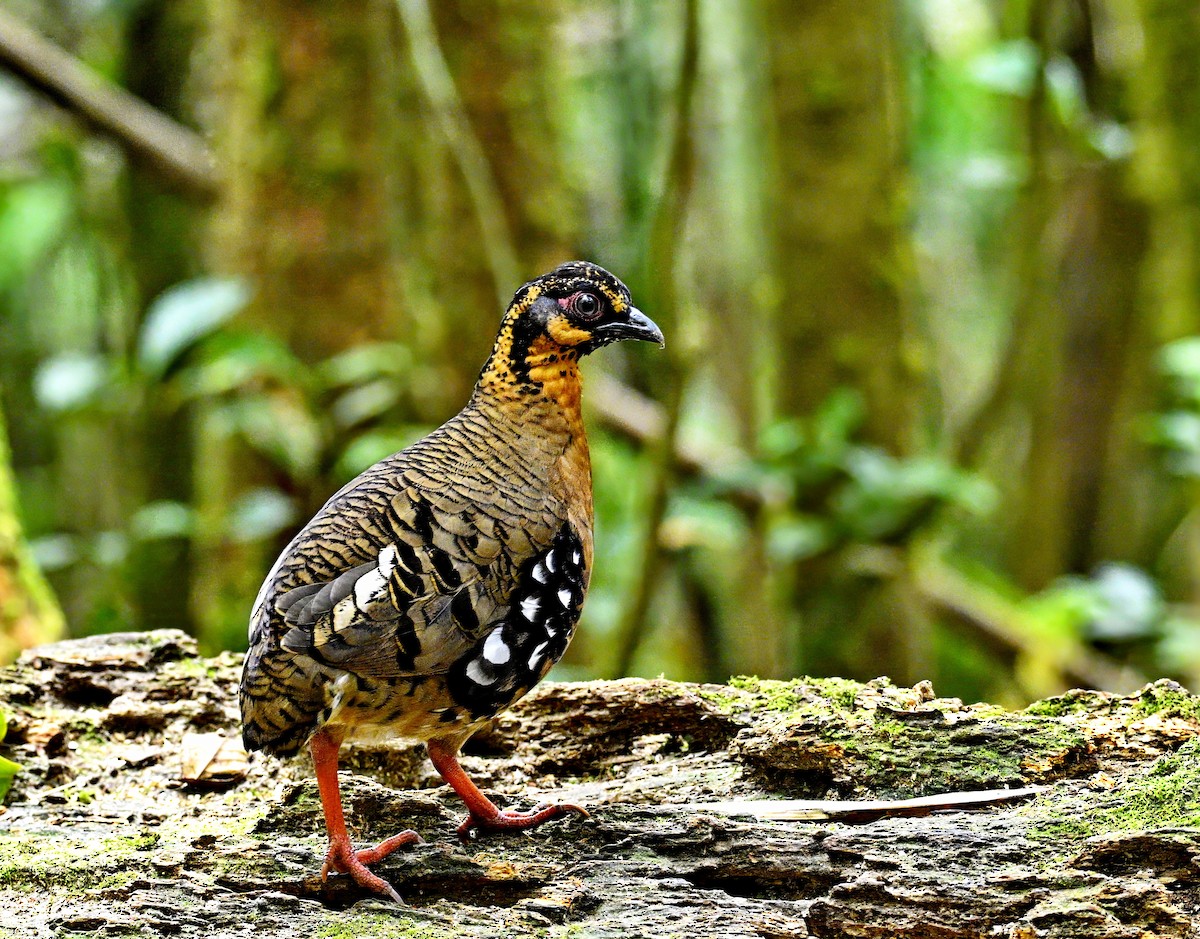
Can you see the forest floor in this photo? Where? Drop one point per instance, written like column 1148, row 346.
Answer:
column 137, row 814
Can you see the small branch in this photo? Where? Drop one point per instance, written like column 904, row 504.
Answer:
column 169, row 148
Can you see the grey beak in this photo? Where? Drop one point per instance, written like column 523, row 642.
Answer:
column 637, row 325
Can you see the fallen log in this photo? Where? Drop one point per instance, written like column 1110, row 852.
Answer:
column 137, row 812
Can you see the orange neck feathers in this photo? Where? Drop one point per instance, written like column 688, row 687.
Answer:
column 531, row 372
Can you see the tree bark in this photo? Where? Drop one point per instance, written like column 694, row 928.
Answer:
column 842, row 264
column 1160, row 515
column 306, row 111
column 843, row 258
column 117, row 825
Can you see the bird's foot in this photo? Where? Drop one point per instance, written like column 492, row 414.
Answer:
column 343, row 859
column 508, row 820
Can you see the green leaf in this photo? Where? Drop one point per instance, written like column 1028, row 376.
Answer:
column 369, row 448
column 162, row 519
column 8, row 769
column 885, row 495
column 282, row 430
column 53, row 552
column 259, row 513
column 365, row 402
column 33, row 216
column 109, row 548
column 1130, row 604
column 186, row 313
column 703, row 523
column 1007, row 67
column 365, row 362
column 782, row 439
column 1181, row 358
column 70, row 381
column 795, row 537
column 1066, row 90
column 230, row 362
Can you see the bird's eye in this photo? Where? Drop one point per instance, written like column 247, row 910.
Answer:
column 586, row 305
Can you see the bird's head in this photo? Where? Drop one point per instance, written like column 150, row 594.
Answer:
column 559, row 317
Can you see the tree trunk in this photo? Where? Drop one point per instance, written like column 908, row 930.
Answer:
column 304, row 116
column 164, row 232
column 842, row 264
column 843, row 259
column 1166, row 173
column 128, row 819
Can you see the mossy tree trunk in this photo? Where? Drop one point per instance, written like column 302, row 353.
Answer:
column 1160, row 518
column 843, row 264
column 164, row 230
column 304, row 112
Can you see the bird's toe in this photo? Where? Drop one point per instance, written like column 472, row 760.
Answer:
column 510, row 820
column 343, row 859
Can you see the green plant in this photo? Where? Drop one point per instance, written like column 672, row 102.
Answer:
column 8, row 769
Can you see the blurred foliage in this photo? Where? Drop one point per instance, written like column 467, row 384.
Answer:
column 8, row 769
column 1174, row 428
column 927, row 273
column 840, row 491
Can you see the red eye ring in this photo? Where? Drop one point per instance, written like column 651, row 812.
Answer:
column 585, row 305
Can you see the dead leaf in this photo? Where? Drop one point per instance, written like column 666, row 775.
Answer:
column 212, row 760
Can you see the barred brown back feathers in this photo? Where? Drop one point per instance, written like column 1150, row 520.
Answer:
column 442, row 584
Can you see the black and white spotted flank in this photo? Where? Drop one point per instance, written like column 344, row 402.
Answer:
column 542, row 614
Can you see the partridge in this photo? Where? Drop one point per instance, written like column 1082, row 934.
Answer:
column 438, row 587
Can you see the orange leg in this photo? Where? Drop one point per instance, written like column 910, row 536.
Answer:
column 483, row 815
column 342, row 857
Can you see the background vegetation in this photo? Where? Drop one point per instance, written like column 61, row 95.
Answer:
column 929, row 272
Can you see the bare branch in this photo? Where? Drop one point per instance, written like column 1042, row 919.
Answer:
column 169, row 148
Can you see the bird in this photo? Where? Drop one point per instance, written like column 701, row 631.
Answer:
column 439, row 586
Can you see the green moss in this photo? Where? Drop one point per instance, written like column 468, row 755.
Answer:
column 798, row 695
column 382, row 925
column 901, row 758
column 1063, row 705
column 144, row 842
column 37, row 861
column 724, row 699
column 1163, row 697
column 1167, row 700
column 190, row 668
column 1167, row 795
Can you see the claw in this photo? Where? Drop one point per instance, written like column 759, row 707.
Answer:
column 343, row 859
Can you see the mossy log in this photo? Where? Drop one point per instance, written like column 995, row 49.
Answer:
column 127, row 819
